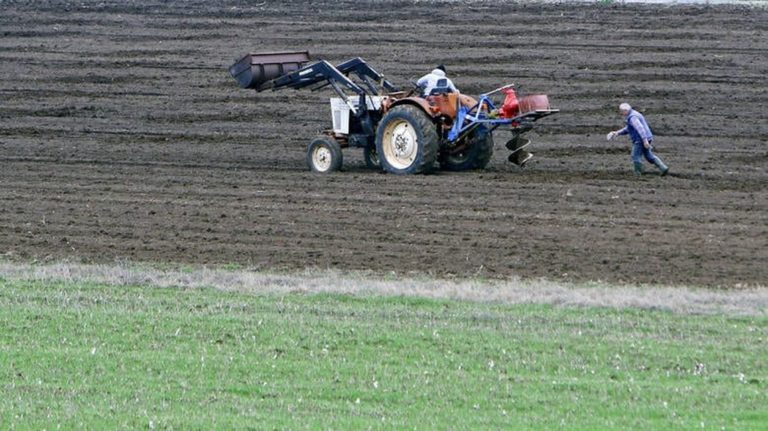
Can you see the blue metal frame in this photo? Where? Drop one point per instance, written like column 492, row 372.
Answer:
column 464, row 115
column 466, row 121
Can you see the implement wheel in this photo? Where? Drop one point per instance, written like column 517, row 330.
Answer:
column 324, row 155
column 406, row 141
column 475, row 155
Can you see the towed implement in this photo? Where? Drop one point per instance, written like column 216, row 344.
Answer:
column 401, row 132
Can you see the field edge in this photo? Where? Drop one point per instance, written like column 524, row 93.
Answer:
column 751, row 300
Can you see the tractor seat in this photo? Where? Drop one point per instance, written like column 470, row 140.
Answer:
column 441, row 88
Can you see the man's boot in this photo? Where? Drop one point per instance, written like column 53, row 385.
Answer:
column 662, row 167
column 638, row 169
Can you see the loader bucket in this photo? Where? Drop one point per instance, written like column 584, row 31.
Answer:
column 256, row 69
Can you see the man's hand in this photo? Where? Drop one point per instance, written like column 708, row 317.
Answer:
column 610, row 136
column 646, row 144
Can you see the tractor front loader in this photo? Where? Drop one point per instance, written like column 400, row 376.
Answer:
column 401, row 132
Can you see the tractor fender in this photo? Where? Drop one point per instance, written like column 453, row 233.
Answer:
column 442, row 106
column 414, row 101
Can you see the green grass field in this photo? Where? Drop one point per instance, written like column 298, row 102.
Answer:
column 92, row 356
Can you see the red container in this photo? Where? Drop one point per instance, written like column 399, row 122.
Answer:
column 533, row 103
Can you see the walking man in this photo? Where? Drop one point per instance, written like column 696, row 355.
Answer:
column 642, row 139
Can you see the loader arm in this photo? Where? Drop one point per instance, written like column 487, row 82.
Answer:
column 365, row 73
column 277, row 70
column 322, row 73
column 319, row 72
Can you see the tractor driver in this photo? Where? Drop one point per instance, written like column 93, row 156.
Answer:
column 436, row 82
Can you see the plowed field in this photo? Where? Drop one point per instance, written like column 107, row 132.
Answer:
column 122, row 137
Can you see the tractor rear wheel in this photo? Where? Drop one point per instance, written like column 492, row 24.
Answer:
column 407, row 141
column 475, row 155
column 324, row 155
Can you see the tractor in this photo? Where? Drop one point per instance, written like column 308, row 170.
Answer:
column 400, row 131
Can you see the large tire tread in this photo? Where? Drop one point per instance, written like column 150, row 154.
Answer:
column 479, row 153
column 427, row 131
column 484, row 151
column 332, row 157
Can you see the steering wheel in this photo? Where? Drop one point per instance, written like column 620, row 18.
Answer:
column 416, row 90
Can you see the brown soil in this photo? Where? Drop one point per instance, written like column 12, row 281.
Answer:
column 122, row 137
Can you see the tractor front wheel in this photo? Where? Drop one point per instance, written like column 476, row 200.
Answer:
column 407, row 141
column 324, row 155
